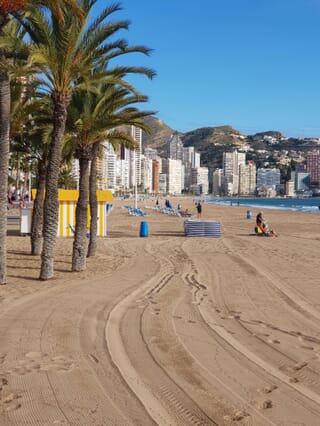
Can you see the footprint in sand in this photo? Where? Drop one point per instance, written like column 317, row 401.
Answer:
column 299, row 366
column 234, row 317
column 268, row 389
column 275, row 341
column 263, row 405
column 3, row 384
column 8, row 402
column 239, row 415
column 38, row 361
column 2, row 358
column 309, row 348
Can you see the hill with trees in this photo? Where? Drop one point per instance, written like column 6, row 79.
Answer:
column 265, row 148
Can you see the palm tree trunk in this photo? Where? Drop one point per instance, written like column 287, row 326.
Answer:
column 51, row 202
column 18, row 176
column 4, row 162
column 80, row 242
column 37, row 213
column 93, row 203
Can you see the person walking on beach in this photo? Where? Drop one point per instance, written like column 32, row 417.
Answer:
column 199, row 209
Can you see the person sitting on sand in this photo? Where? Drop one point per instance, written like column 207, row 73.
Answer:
column 185, row 213
column 263, row 226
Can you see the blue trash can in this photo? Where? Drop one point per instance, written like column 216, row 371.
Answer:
column 144, row 229
column 249, row 214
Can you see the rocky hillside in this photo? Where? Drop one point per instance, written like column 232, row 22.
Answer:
column 160, row 133
column 211, row 142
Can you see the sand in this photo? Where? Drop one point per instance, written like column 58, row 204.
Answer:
column 166, row 329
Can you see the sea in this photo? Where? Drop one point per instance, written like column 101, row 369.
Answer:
column 307, row 204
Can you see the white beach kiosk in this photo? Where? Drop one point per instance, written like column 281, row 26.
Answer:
column 67, row 211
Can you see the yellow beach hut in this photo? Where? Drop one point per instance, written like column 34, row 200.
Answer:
column 67, row 211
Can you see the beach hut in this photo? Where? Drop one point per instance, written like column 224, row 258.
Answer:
column 67, row 211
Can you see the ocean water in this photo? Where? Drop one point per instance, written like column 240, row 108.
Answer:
column 294, row 204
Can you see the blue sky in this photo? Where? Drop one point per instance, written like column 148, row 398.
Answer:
column 251, row 64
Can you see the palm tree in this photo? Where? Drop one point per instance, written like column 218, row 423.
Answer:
column 115, row 137
column 4, row 150
column 92, row 117
column 66, row 54
column 8, row 55
column 40, row 142
column 7, row 10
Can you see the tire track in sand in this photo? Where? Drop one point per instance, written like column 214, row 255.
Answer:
column 166, row 406
column 241, row 348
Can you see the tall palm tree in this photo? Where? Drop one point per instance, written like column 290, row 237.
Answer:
column 66, row 54
column 7, row 10
column 40, row 141
column 8, row 57
column 4, row 159
column 92, row 118
column 116, row 136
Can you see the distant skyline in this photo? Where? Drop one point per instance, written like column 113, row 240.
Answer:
column 250, row 64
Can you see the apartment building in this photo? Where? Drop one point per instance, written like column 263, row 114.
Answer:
column 172, row 169
column 267, row 178
column 174, row 147
column 247, row 178
column 231, row 164
column 313, row 167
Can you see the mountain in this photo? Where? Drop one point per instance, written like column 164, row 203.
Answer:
column 211, row 142
column 160, row 133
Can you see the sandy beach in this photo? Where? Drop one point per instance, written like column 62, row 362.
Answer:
column 166, row 330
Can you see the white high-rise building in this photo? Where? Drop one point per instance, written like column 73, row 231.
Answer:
column 188, row 154
column 231, row 164
column 162, row 183
column 123, row 169
column 190, row 160
column 173, row 169
column 200, row 180
column 217, row 181
column 151, row 153
column 106, row 167
column 175, row 147
column 135, row 157
column 109, row 180
column 187, row 161
column 146, row 173
column 247, row 178
column 196, row 160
